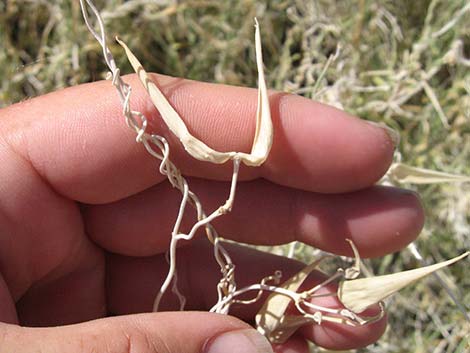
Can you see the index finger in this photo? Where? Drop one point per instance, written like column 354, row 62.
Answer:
column 77, row 139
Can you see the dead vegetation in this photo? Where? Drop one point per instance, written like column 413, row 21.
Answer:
column 402, row 63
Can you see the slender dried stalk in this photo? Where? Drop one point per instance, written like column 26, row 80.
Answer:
column 158, row 147
column 137, row 121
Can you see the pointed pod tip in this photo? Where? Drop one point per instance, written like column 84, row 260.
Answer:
column 359, row 294
column 121, row 43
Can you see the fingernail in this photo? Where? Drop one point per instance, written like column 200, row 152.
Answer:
column 393, row 134
column 242, row 341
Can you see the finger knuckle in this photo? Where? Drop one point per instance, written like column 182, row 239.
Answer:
column 143, row 342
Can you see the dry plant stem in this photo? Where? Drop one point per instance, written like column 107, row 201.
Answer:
column 274, row 278
column 176, row 235
column 198, row 149
column 230, row 299
column 138, row 122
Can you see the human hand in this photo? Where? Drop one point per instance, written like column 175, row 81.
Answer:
column 85, row 217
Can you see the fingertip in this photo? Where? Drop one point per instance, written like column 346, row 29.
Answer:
column 336, row 336
column 237, row 341
column 342, row 337
column 332, row 150
column 379, row 220
column 400, row 226
column 184, row 332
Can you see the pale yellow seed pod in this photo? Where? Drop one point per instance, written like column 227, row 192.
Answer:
column 263, row 138
column 358, row 294
column 271, row 320
column 402, row 173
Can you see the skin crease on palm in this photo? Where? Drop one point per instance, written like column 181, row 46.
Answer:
column 85, row 217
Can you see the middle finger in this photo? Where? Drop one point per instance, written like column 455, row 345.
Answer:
column 379, row 219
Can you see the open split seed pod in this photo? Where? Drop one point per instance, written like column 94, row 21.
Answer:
column 264, row 129
column 355, row 294
column 272, row 320
column 358, row 294
column 401, row 173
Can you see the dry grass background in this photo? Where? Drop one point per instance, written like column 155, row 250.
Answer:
column 405, row 63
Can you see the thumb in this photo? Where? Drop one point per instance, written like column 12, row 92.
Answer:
column 167, row 332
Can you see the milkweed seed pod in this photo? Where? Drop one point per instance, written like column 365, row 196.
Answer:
column 264, row 129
